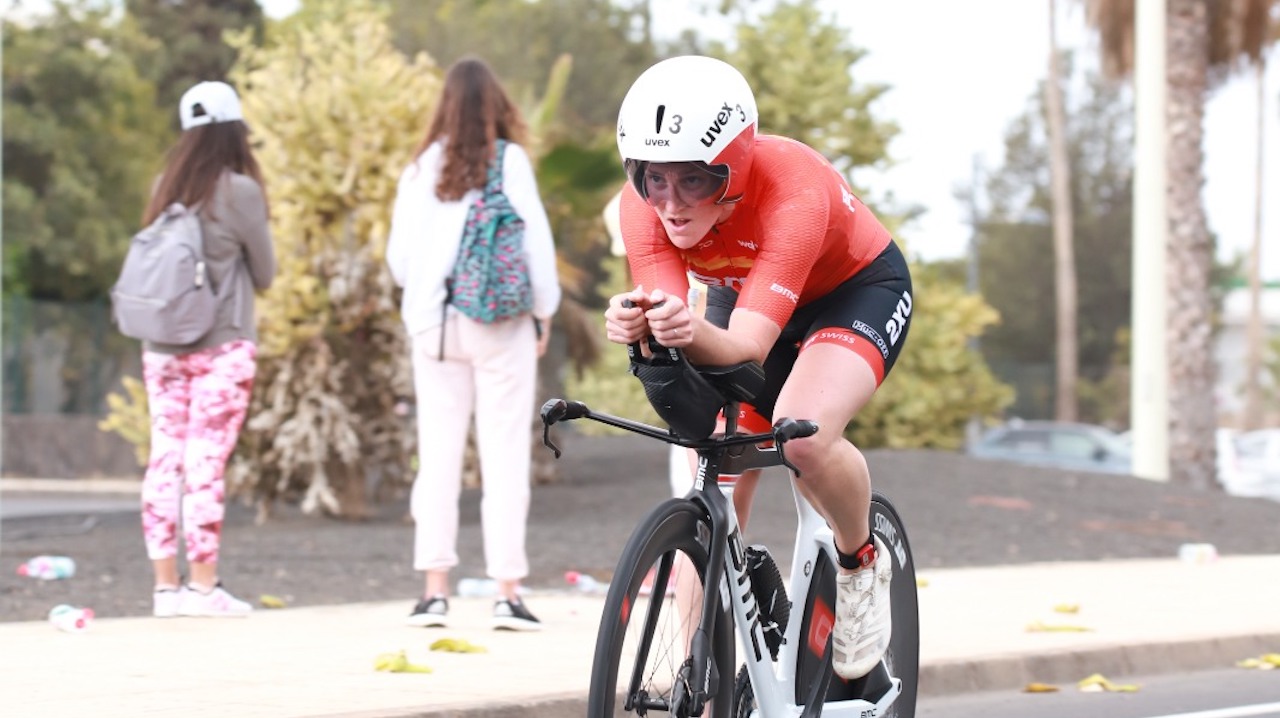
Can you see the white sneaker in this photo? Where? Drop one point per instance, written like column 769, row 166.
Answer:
column 430, row 613
column 165, row 602
column 217, row 603
column 863, row 620
column 513, row 616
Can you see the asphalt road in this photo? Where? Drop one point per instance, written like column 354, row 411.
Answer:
column 959, row 511
column 1229, row 693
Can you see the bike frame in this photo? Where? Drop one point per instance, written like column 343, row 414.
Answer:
column 774, row 683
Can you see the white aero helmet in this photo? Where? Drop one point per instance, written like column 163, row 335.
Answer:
column 690, row 109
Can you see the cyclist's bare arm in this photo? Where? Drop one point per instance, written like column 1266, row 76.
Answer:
column 669, row 320
column 749, row 337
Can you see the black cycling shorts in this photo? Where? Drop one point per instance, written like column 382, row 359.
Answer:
column 869, row 313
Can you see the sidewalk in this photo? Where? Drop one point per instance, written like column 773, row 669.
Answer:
column 1145, row 616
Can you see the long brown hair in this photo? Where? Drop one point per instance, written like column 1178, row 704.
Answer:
column 474, row 112
column 196, row 162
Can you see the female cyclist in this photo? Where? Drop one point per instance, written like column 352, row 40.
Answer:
column 802, row 278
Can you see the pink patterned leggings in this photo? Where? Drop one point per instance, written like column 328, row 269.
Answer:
column 198, row 402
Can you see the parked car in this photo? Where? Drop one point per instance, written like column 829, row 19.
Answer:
column 1083, row 447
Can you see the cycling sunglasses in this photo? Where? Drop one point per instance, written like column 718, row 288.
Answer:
column 687, row 183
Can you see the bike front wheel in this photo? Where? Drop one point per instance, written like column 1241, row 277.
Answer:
column 652, row 609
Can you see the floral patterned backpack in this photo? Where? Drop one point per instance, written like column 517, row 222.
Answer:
column 490, row 277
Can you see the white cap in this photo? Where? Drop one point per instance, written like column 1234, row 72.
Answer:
column 208, row 103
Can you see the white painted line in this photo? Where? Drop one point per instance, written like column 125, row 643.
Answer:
column 1237, row 712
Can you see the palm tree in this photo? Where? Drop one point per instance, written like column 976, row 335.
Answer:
column 1068, row 362
column 1206, row 38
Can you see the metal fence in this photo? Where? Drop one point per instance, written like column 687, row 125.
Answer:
column 61, row 361
column 63, row 358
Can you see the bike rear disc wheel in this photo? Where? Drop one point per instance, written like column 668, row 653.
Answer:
column 650, row 611
column 902, row 659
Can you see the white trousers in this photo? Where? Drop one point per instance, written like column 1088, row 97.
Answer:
column 489, row 370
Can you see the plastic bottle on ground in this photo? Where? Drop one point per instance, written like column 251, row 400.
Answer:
column 48, row 568
column 71, row 618
column 477, row 587
column 584, row 582
column 1198, row 553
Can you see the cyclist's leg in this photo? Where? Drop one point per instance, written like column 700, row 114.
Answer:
column 833, row 473
column 841, row 363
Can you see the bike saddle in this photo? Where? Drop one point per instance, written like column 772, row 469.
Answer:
column 740, row 382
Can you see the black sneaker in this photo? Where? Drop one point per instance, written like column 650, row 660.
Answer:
column 430, row 613
column 513, row 616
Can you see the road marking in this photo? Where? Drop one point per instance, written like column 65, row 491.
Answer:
column 1237, row 712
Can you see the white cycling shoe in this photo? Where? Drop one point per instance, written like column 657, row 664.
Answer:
column 863, row 617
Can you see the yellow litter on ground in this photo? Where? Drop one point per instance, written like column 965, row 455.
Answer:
column 397, row 662
column 1097, row 683
column 1042, row 627
column 457, row 645
column 1265, row 662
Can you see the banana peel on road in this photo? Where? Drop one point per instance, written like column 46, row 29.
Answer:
column 1042, row 627
column 1097, row 683
column 457, row 645
column 397, row 662
column 268, row 600
column 1265, row 662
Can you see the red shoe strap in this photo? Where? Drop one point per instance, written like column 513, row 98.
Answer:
column 864, row 557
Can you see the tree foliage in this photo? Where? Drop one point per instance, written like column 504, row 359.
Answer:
column 800, row 65
column 1016, row 245
column 333, row 361
column 190, row 33
column 82, row 140
column 522, row 40
column 939, row 383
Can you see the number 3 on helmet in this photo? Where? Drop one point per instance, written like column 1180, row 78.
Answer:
column 690, row 109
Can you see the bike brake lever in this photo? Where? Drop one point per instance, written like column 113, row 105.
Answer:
column 786, row 429
column 556, row 410
column 546, row 440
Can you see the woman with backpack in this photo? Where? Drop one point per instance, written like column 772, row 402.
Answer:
column 472, row 355
column 198, row 392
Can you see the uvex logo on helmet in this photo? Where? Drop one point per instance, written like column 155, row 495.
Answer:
column 690, row 109
column 721, row 121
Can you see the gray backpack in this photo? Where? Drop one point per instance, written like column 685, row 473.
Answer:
column 164, row 294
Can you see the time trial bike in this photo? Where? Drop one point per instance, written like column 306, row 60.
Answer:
column 687, row 583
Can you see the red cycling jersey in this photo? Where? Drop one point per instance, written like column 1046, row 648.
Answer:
column 797, row 234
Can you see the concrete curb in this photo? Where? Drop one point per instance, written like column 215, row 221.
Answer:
column 1117, row 662
column 943, row 678
column 569, row 704
column 72, row 486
